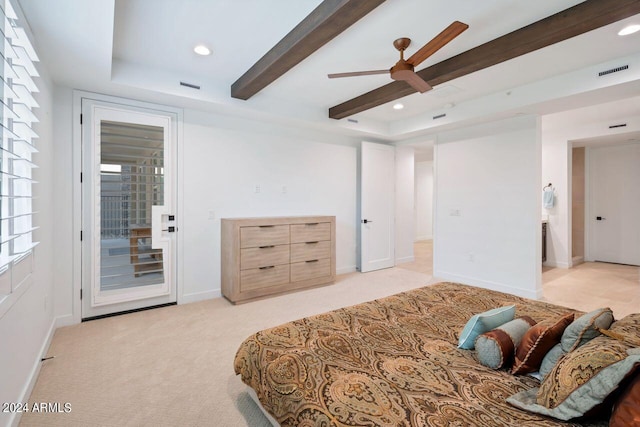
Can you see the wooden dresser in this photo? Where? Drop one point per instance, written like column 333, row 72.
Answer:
column 267, row 256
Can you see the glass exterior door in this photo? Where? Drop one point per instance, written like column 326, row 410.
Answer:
column 128, row 209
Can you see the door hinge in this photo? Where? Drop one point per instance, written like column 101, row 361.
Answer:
column 81, row 293
column 80, row 118
column 81, row 177
column 81, row 235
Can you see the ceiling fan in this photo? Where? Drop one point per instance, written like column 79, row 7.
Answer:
column 404, row 70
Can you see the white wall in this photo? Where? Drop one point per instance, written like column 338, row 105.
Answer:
column 222, row 159
column 558, row 132
column 27, row 325
column 225, row 159
column 404, row 213
column 487, row 217
column 424, row 200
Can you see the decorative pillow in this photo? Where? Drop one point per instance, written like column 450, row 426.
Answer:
column 627, row 329
column 495, row 348
column 583, row 329
column 580, row 366
column 626, row 411
column 550, row 360
column 587, row 385
column 483, row 322
column 536, row 342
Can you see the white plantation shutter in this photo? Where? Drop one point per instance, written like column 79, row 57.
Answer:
column 17, row 140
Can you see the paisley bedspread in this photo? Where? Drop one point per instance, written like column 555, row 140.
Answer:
column 389, row 362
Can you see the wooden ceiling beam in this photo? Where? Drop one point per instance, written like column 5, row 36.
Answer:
column 579, row 19
column 322, row 25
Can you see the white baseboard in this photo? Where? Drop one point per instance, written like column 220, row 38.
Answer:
column 452, row 277
column 405, row 259
column 577, row 260
column 66, row 320
column 556, row 264
column 14, row 419
column 199, row 296
column 346, row 270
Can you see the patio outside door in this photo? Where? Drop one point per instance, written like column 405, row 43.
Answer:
column 128, row 205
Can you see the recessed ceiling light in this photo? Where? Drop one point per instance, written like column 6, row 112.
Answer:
column 630, row 29
column 398, row 106
column 202, row 50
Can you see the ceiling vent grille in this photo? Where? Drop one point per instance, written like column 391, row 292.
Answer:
column 613, row 70
column 439, row 116
column 191, row 85
column 621, row 125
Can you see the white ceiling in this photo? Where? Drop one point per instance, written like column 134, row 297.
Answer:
column 143, row 49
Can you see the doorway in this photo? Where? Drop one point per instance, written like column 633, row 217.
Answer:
column 614, row 203
column 128, row 204
column 423, row 205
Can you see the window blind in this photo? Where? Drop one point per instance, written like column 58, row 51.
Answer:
column 17, row 139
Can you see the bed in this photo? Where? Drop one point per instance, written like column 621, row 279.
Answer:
column 394, row 361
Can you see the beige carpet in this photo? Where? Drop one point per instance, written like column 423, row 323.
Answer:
column 174, row 366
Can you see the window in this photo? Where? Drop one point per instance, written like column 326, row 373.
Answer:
column 17, row 146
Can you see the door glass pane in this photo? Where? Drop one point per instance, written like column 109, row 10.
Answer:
column 131, row 181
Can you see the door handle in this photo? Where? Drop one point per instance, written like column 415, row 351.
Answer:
column 600, row 218
column 366, row 221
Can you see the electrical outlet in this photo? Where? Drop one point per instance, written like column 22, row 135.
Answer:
column 284, row 189
column 212, row 215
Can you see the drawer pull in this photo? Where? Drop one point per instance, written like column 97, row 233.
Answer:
column 267, row 267
column 312, row 260
column 312, row 223
column 266, row 247
column 312, row 243
column 266, row 226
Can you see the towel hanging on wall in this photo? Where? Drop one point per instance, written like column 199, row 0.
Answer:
column 548, row 196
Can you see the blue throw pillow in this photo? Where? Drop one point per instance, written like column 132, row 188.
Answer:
column 484, row 322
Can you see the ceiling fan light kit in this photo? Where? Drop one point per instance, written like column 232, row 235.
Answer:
column 404, row 70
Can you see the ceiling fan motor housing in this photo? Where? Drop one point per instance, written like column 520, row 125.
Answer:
column 402, row 70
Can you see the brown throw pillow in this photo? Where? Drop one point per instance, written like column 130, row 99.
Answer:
column 536, row 342
column 626, row 411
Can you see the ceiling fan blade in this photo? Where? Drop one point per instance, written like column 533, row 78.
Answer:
column 448, row 34
column 358, row 73
column 416, row 82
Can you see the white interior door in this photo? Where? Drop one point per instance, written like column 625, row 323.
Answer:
column 377, row 206
column 128, row 205
column 614, row 199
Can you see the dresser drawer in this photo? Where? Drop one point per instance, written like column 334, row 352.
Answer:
column 311, row 232
column 263, row 256
column 258, row 278
column 311, row 250
column 265, row 235
column 310, row 270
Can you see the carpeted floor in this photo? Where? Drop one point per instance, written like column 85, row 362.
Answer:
column 173, row 366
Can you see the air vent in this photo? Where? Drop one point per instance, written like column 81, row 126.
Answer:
column 191, row 85
column 439, row 116
column 352, row 120
column 621, row 125
column 613, row 70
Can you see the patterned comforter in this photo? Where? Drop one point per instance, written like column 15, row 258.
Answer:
column 389, row 362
